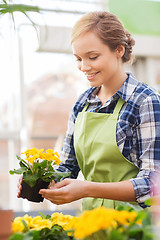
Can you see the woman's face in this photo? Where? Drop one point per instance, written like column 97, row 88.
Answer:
column 96, row 60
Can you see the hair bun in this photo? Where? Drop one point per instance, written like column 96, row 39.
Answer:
column 130, row 42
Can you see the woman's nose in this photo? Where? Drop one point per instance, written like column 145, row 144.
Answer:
column 84, row 66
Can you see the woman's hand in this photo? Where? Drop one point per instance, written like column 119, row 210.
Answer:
column 19, row 186
column 65, row 191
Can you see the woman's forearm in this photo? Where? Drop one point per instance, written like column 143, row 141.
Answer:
column 121, row 191
column 70, row 190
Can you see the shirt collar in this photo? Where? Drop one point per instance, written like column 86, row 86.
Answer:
column 128, row 87
column 93, row 95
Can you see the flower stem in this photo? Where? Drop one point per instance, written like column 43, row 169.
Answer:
column 31, row 169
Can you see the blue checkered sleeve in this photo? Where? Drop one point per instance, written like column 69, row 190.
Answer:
column 148, row 147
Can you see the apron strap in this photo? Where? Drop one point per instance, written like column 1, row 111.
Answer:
column 118, row 107
column 85, row 107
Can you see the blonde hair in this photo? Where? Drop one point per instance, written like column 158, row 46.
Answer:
column 108, row 28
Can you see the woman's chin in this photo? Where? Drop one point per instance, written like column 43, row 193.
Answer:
column 93, row 84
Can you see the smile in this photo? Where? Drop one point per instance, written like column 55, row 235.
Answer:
column 91, row 76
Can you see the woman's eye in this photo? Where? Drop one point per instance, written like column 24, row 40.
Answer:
column 78, row 59
column 93, row 58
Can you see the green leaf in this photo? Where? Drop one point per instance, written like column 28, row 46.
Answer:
column 42, row 215
column 19, row 158
column 30, row 179
column 148, row 233
column 23, row 164
column 32, row 235
column 43, row 164
column 22, row 161
column 59, row 175
column 25, row 225
column 45, row 217
column 116, row 235
column 135, row 230
column 127, row 207
column 147, row 221
column 18, row 171
column 49, row 176
column 10, row 8
column 40, row 167
column 36, row 234
column 35, row 166
column 16, row 236
column 148, row 202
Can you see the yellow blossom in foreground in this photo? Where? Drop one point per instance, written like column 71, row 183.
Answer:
column 99, row 219
column 18, row 226
column 125, row 217
column 38, row 223
column 61, row 220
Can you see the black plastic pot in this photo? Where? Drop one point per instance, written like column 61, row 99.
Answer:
column 32, row 193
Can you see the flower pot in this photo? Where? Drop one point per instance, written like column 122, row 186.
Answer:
column 32, row 193
column 6, row 217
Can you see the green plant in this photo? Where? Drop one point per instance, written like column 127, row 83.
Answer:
column 11, row 8
column 111, row 224
column 41, row 227
column 39, row 165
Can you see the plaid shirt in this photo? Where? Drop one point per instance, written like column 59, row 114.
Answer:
column 138, row 131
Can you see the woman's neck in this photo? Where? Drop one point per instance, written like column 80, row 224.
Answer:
column 107, row 91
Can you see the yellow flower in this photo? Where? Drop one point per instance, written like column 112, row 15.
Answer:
column 50, row 155
column 31, row 159
column 38, row 223
column 17, row 224
column 49, row 151
column 56, row 153
column 92, row 221
column 27, row 219
column 125, row 217
column 34, row 221
column 56, row 160
column 34, row 153
column 61, row 220
column 99, row 219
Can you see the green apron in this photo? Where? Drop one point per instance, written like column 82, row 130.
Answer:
column 98, row 155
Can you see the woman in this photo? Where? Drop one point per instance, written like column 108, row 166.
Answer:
column 113, row 132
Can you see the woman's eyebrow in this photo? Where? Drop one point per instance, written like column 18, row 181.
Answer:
column 92, row 51
column 87, row 53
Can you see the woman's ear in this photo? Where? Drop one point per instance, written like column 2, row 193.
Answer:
column 120, row 51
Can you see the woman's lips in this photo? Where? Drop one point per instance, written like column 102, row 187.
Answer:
column 91, row 76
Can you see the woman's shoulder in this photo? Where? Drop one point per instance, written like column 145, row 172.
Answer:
column 142, row 93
